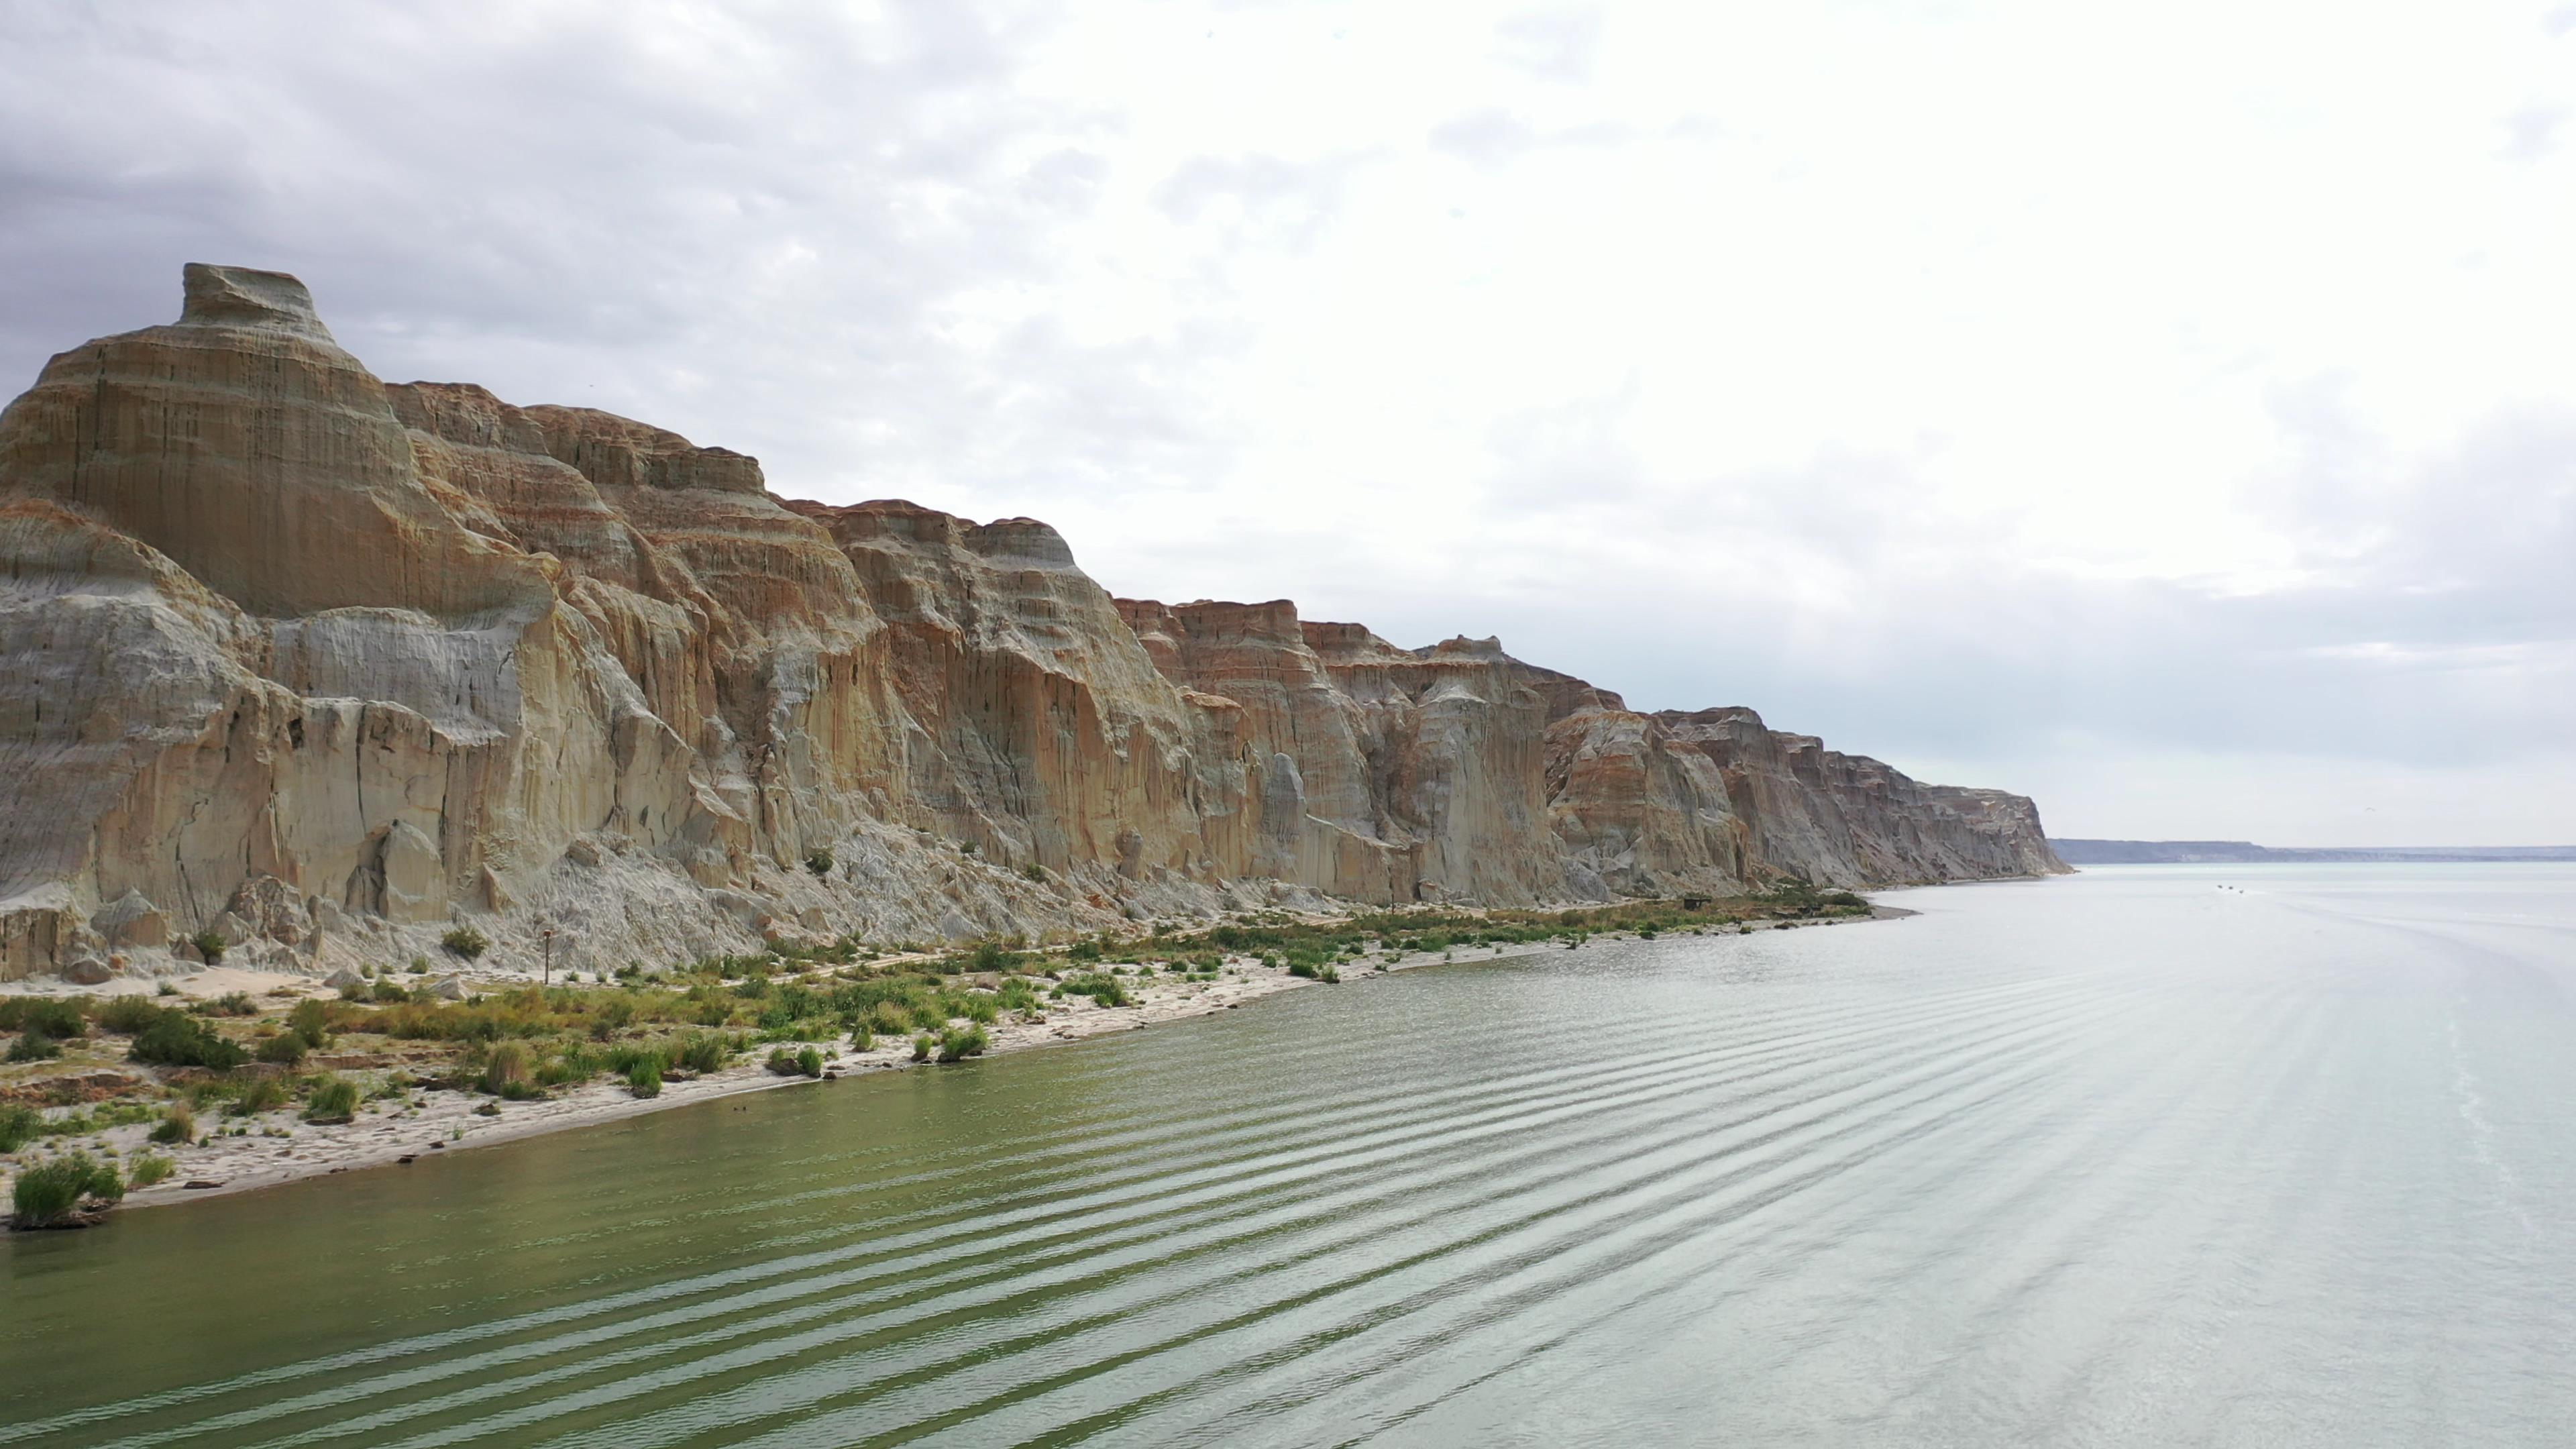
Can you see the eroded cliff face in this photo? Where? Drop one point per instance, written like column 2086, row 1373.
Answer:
column 323, row 665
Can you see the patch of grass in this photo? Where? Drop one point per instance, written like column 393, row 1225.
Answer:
column 179, row 1040
column 704, row 1052
column 506, row 1066
column 810, row 1061
column 644, row 1079
column 1102, row 989
column 923, row 1046
column 264, row 1094
column 577, row 1062
column 52, row 1191
column 18, row 1126
column 960, row 1042
column 152, row 1167
column 209, row 945
column 178, row 1124
column 819, row 860
column 333, row 1099
column 465, row 942
column 231, row 1003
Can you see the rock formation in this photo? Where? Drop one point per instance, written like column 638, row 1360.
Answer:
column 321, row 665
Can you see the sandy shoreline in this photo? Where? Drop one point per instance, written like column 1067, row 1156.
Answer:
column 279, row 1148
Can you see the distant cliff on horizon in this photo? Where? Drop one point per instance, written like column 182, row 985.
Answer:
column 2208, row 852
column 323, row 665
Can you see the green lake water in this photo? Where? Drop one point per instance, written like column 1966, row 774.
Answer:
column 2122, row 1159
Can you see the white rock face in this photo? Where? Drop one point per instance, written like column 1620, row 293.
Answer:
column 325, row 666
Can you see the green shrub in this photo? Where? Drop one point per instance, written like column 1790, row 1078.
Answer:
column 577, row 1062
column 923, row 1046
column 819, row 860
column 1307, row 969
column 960, row 1042
column 176, row 1040
column 209, row 945
column 126, row 1015
column 889, row 1017
column 782, row 1063
column 389, row 991
column 265, row 1094
column 334, row 1099
column 231, row 1003
column 1034, row 871
column 34, row 1046
column 178, row 1124
column 152, row 1167
column 55, row 1016
column 644, row 1079
column 810, row 1061
column 465, row 942
column 18, row 1126
column 166, row 988
column 286, row 1049
column 52, row 1191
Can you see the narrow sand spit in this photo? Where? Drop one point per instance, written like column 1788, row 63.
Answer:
column 280, row 1148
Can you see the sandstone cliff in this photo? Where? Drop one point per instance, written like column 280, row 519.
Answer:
column 323, row 665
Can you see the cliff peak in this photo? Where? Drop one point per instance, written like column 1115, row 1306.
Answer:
column 220, row 296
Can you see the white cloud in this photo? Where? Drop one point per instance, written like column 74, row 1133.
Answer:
column 1989, row 388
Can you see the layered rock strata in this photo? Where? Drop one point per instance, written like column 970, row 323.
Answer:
column 322, row 666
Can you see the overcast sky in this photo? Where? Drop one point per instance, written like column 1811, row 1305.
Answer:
column 2168, row 411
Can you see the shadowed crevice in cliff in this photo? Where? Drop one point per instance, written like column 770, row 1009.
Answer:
column 321, row 664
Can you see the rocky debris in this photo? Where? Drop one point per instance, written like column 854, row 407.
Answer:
column 345, row 980
column 323, row 665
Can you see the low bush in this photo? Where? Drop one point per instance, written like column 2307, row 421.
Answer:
column 209, row 945
column 18, row 1126
column 644, row 1079
column 177, row 1040
column 782, row 1063
column 55, row 1016
column 465, row 942
column 923, row 1046
column 126, row 1015
column 231, row 1003
column 819, row 860
column 960, row 1042
column 34, row 1046
column 286, row 1049
column 810, row 1061
column 152, row 1167
column 177, row 1124
column 52, row 1191
column 333, row 1099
